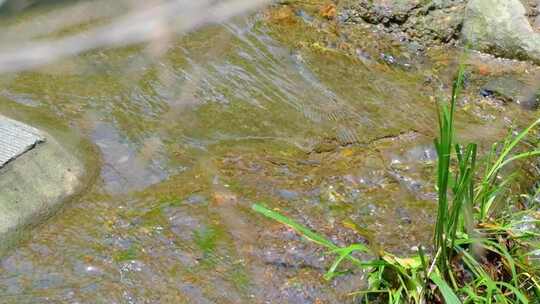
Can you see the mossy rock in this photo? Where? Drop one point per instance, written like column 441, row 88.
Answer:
column 501, row 28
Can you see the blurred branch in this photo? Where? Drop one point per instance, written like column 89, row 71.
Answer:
column 143, row 25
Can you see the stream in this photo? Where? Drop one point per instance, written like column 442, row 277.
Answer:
column 258, row 109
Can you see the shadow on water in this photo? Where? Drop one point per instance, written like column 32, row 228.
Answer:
column 125, row 169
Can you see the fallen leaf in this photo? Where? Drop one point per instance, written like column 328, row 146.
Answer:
column 328, row 11
column 223, row 197
column 284, row 14
column 347, row 152
column 484, row 70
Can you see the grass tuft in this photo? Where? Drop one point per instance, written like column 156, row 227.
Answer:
column 481, row 254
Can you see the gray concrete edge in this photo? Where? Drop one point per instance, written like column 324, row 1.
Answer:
column 34, row 187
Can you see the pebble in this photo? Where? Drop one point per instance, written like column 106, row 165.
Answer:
column 288, row 194
column 196, row 199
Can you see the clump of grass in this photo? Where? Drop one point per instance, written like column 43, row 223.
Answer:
column 132, row 253
column 206, row 239
column 480, row 254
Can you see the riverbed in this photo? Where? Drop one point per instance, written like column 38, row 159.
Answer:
column 330, row 125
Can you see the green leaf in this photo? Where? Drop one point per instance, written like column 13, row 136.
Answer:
column 406, row 263
column 307, row 233
column 304, row 231
column 449, row 296
column 342, row 254
column 520, row 296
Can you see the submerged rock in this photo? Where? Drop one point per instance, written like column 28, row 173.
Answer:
column 510, row 89
column 501, row 28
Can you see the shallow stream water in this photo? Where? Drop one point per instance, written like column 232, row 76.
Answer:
column 255, row 110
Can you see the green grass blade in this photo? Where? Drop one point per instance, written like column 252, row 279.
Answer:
column 304, row 231
column 519, row 295
column 496, row 163
column 520, row 156
column 342, row 254
column 449, row 296
column 508, row 147
column 307, row 233
column 331, row 273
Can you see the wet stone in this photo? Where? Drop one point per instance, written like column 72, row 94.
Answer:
column 305, row 16
column 118, row 242
column 195, row 294
column 48, row 281
column 132, row 266
column 403, row 215
column 196, row 199
column 187, row 259
column 423, row 153
column 293, row 257
column 413, row 185
column 90, row 288
column 299, row 295
column 23, row 99
column 510, row 89
column 183, row 225
column 40, row 249
column 85, row 269
column 288, row 194
column 17, row 263
column 287, row 250
column 11, row 285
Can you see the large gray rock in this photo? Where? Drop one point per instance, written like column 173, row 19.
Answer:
column 37, row 175
column 501, row 28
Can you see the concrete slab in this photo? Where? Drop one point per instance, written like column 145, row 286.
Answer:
column 38, row 174
column 15, row 139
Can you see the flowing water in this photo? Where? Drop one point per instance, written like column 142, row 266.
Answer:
column 181, row 144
